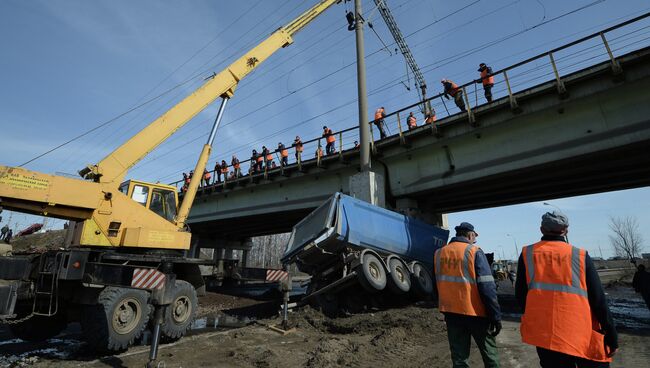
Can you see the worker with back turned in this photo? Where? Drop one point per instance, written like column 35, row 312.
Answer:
column 467, row 297
column 380, row 114
column 565, row 311
column 487, row 79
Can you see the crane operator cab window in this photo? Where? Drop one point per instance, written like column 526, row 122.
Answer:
column 163, row 202
column 140, row 194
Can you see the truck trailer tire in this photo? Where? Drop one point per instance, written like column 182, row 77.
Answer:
column 400, row 276
column 372, row 274
column 39, row 328
column 421, row 280
column 179, row 315
column 117, row 320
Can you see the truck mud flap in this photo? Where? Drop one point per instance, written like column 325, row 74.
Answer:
column 8, row 297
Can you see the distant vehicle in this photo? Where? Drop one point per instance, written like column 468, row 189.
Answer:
column 346, row 242
column 30, row 229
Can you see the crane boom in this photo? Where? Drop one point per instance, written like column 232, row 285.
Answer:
column 403, row 47
column 113, row 167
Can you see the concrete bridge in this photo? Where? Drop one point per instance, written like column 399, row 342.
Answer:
column 582, row 133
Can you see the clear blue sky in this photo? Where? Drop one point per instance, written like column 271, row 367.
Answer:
column 68, row 66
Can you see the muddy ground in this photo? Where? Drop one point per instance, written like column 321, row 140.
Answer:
column 413, row 336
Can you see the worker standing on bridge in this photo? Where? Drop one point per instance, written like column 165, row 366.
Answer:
column 452, row 89
column 284, row 154
column 467, row 297
column 411, row 121
column 254, row 157
column 565, row 312
column 299, row 148
column 430, row 118
column 206, row 177
column 224, row 170
column 217, row 171
column 330, row 148
column 380, row 114
column 268, row 157
column 487, row 79
column 236, row 166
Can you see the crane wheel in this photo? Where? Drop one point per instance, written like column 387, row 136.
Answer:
column 180, row 314
column 119, row 317
column 39, row 328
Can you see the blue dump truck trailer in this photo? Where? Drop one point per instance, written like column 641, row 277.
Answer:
column 357, row 254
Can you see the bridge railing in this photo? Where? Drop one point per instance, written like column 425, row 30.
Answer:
column 598, row 47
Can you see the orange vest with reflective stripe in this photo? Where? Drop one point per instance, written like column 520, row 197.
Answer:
column 558, row 316
column 379, row 114
column 412, row 122
column 485, row 79
column 456, row 280
column 284, row 153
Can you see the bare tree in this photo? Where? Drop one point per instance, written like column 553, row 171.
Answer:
column 626, row 240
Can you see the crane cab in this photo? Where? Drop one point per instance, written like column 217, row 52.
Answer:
column 159, row 198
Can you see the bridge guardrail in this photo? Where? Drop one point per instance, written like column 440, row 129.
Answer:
column 550, row 65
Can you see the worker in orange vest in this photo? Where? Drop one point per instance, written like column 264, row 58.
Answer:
column 236, row 166
column 452, row 89
column 330, row 148
column 467, row 297
column 565, row 311
column 380, row 114
column 487, row 79
column 411, row 121
column 224, row 170
column 206, row 177
column 284, row 154
column 299, row 148
column 430, row 118
column 268, row 157
column 217, row 171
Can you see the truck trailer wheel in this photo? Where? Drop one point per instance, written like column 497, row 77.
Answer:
column 372, row 274
column 117, row 320
column 400, row 276
column 421, row 280
column 39, row 328
column 179, row 315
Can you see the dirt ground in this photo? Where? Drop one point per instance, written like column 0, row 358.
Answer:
column 414, row 336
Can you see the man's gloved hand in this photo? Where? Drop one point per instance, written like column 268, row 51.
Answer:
column 611, row 345
column 494, row 327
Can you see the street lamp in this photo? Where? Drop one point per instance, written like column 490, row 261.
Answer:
column 516, row 247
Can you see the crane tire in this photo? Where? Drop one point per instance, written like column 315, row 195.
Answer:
column 180, row 314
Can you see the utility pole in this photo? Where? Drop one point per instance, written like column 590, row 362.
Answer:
column 364, row 129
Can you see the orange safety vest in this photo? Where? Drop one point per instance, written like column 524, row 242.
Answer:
column 454, row 89
column 224, row 169
column 456, row 280
column 260, row 158
column 236, row 165
column 430, row 119
column 557, row 315
column 330, row 136
column 284, row 153
column 269, row 157
column 379, row 114
column 412, row 122
column 485, row 79
column 298, row 146
column 207, row 175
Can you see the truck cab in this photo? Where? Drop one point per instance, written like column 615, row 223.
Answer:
column 159, row 198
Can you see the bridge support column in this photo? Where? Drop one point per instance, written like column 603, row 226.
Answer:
column 410, row 207
column 368, row 186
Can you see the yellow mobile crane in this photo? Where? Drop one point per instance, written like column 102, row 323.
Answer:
column 126, row 254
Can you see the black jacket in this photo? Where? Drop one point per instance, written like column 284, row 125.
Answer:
column 595, row 294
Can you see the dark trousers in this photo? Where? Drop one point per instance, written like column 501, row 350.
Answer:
column 553, row 359
column 329, row 148
column 285, row 161
column 458, row 99
column 488, row 92
column 380, row 125
column 460, row 331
